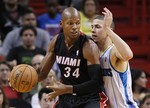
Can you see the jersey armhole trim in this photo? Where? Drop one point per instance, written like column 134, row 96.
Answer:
column 117, row 70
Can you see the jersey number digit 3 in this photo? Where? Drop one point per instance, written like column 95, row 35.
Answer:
column 68, row 72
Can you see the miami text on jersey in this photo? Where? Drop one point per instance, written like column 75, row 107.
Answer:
column 67, row 61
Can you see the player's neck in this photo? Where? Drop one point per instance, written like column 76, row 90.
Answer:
column 104, row 44
column 32, row 47
column 70, row 42
column 90, row 17
column 52, row 15
column 137, row 90
column 4, row 83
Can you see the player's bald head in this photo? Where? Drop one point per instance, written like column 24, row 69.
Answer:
column 38, row 56
column 70, row 12
column 37, row 59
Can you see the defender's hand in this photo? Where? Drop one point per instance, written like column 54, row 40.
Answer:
column 108, row 18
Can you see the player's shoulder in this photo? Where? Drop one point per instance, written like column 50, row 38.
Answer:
column 14, row 33
column 42, row 17
column 89, row 43
column 90, row 47
column 40, row 31
column 52, row 43
column 55, row 38
column 87, row 39
column 18, row 49
column 90, row 50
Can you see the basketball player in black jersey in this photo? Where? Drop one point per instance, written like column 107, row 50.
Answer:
column 78, row 60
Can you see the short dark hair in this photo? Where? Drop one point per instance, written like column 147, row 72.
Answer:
column 4, row 62
column 28, row 12
column 147, row 96
column 136, row 73
column 44, row 90
column 101, row 17
column 28, row 27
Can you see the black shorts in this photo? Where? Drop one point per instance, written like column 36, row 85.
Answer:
column 74, row 101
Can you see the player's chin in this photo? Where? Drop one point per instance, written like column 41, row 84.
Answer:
column 144, row 85
column 94, row 39
column 73, row 36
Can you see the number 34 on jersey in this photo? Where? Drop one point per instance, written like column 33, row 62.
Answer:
column 68, row 72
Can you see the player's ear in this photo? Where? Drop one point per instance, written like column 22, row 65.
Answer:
column 61, row 23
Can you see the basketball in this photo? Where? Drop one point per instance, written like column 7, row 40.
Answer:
column 23, row 78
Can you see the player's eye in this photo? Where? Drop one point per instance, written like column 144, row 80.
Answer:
column 2, row 70
column 148, row 103
column 98, row 26
column 29, row 35
column 70, row 23
column 78, row 23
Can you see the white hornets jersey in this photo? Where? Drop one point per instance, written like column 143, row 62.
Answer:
column 117, row 85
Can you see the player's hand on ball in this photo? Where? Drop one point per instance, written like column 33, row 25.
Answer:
column 10, row 84
column 23, row 78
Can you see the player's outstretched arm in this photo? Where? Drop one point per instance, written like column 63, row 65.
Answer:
column 91, row 53
column 121, row 49
column 47, row 62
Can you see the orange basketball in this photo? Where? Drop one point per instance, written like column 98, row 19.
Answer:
column 23, row 78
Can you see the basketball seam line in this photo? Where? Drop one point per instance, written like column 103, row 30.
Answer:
column 31, row 77
column 13, row 74
column 21, row 77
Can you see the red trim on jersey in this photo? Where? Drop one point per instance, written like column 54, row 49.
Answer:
column 54, row 106
column 81, row 33
column 103, row 100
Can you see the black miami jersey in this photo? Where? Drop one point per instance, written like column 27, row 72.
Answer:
column 71, row 62
column 74, row 71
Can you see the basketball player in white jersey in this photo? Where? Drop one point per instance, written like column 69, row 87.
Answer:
column 114, row 57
